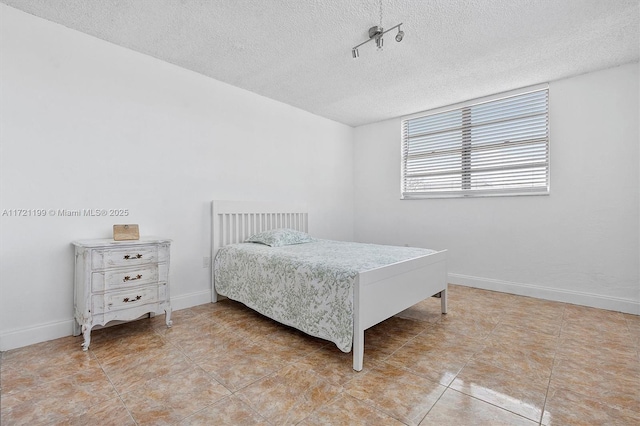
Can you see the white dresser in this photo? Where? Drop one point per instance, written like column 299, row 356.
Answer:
column 119, row 280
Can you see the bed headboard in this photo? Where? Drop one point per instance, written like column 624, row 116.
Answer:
column 235, row 221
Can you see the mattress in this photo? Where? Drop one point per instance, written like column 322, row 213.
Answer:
column 307, row 286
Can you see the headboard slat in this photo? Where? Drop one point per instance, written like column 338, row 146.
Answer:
column 235, row 221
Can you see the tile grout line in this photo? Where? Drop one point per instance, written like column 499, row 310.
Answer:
column 244, row 386
column 553, row 366
column 580, row 391
column 448, row 387
column 485, row 342
column 195, row 364
column 114, row 387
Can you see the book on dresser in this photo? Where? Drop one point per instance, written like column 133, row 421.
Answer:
column 119, row 281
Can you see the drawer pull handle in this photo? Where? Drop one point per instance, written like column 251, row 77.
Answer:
column 129, row 257
column 127, row 300
column 128, row 278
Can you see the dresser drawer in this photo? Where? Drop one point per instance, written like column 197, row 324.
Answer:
column 117, row 300
column 114, row 279
column 131, row 256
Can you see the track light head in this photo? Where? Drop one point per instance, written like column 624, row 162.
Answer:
column 379, row 42
column 400, row 35
column 355, row 53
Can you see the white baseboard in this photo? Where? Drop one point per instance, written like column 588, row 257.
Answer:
column 35, row 334
column 548, row 293
column 55, row 330
column 192, row 299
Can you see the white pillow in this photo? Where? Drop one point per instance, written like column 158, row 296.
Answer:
column 280, row 237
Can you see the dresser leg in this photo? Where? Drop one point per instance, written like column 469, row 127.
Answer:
column 86, row 332
column 167, row 316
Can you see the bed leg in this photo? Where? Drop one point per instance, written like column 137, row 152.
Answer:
column 358, row 349
column 443, row 301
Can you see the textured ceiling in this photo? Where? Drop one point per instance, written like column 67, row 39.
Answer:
column 299, row 51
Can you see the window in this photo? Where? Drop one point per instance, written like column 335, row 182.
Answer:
column 498, row 146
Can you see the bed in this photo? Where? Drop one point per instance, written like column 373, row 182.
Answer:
column 367, row 283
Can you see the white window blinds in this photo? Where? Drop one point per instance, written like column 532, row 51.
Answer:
column 495, row 147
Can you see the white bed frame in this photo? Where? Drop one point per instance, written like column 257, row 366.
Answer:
column 378, row 294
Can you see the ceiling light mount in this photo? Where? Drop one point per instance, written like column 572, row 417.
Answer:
column 375, row 31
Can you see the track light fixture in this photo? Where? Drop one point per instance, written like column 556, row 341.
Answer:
column 375, row 33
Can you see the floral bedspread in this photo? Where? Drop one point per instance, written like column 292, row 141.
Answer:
column 307, row 286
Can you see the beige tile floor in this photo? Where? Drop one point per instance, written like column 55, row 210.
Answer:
column 493, row 359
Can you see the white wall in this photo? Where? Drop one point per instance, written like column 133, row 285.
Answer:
column 579, row 244
column 88, row 125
